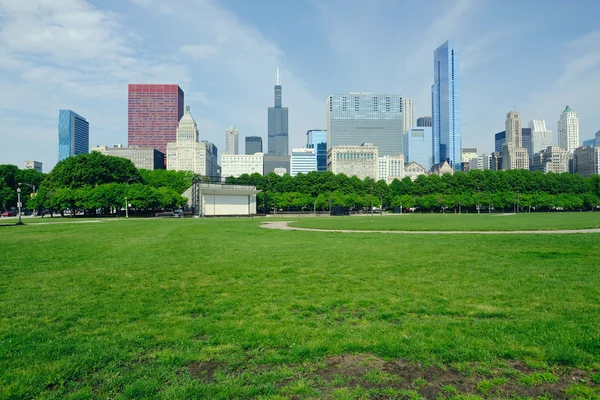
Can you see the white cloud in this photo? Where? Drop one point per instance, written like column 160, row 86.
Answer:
column 199, row 51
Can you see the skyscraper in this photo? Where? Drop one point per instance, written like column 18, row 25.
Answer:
column 513, row 131
column 73, row 134
column 514, row 155
column 278, row 124
column 253, row 145
column 499, row 141
column 424, row 121
column 232, row 141
column 568, row 130
column 317, row 139
column 417, row 146
column 357, row 118
column 408, row 114
column 154, row 112
column 445, row 94
column 541, row 138
column 187, row 153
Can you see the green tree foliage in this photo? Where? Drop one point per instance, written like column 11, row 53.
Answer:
column 178, row 181
column 10, row 177
column 468, row 192
column 90, row 170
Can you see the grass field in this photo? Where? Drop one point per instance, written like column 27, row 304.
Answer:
column 221, row 309
column 458, row 222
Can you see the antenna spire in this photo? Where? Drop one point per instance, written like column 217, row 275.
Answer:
column 278, row 80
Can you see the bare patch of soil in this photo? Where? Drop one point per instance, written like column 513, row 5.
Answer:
column 204, row 370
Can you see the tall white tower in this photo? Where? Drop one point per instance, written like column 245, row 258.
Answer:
column 408, row 114
column 232, row 141
column 514, row 133
column 541, row 138
column 568, row 130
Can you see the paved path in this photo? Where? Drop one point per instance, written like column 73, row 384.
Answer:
column 284, row 225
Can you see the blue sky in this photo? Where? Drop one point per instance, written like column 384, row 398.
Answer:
column 81, row 54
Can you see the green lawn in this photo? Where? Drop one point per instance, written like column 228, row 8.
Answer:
column 221, row 308
column 458, row 222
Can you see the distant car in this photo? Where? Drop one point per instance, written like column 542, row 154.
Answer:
column 8, row 214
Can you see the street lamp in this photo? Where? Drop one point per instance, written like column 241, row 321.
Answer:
column 19, row 204
column 126, row 208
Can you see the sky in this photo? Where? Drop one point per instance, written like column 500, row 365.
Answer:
column 534, row 56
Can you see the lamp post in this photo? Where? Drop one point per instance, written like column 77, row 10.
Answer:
column 19, row 205
column 18, row 195
column 126, row 208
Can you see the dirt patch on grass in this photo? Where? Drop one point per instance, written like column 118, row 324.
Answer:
column 378, row 376
column 204, row 371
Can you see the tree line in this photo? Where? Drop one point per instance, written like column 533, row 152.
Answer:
column 94, row 183
column 465, row 191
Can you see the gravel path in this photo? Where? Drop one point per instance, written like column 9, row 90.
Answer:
column 284, row 225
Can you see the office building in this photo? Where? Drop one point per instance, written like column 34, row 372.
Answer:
column 360, row 161
column 408, row 114
column 424, row 121
column 553, row 159
column 568, row 130
column 390, row 168
column 73, row 134
column 481, row 163
column 468, row 153
column 541, row 137
column 317, row 139
column 413, row 170
column 496, row 161
column 236, row 165
column 446, row 106
column 598, row 138
column 37, row 165
column 278, row 124
column 526, row 140
column 154, row 112
column 232, row 140
column 273, row 163
column 303, row 161
column 499, row 141
column 589, row 143
column 254, row 144
column 212, row 157
column 417, row 146
column 281, row 171
column 586, row 161
column 514, row 155
column 189, row 154
column 356, row 118
column 141, row 157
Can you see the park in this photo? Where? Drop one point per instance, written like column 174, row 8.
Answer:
column 222, row 308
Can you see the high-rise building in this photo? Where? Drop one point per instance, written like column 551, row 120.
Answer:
column 303, row 160
column 408, row 114
column 390, row 168
column 589, row 143
column 356, row 118
column 254, row 145
column 598, row 138
column 568, row 130
column 236, row 165
column 514, row 133
column 527, row 140
column 360, row 161
column 499, row 141
column 468, row 153
column 232, row 140
column 276, row 163
column 446, row 106
column 141, row 157
column 278, row 124
column 514, row 155
column 154, row 112
column 552, row 159
column 73, row 134
column 417, row 146
column 586, row 161
column 541, row 137
column 317, row 139
column 187, row 153
column 37, row 165
column 424, row 121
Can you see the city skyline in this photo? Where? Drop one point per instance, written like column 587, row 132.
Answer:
column 97, row 48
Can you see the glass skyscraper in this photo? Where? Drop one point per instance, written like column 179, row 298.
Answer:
column 278, row 124
column 73, row 134
column 445, row 104
column 253, row 145
column 357, row 118
column 317, row 139
column 154, row 112
column 417, row 146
